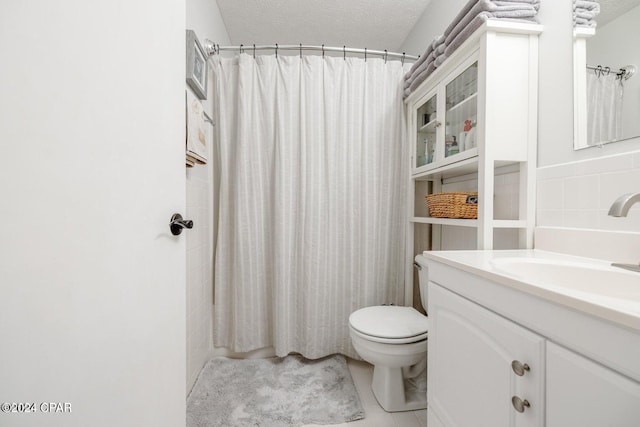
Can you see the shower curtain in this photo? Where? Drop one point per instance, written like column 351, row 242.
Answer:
column 312, row 181
column 604, row 108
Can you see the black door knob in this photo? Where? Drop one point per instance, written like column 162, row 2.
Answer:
column 177, row 223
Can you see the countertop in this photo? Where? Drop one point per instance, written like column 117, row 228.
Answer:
column 621, row 307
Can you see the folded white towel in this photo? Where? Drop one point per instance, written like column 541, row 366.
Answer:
column 432, row 46
column 585, row 14
column 581, row 22
column 472, row 15
column 419, row 78
column 419, row 70
column 464, row 34
column 586, row 6
column 515, row 10
column 534, row 3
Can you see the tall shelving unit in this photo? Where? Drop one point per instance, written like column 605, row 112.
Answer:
column 477, row 113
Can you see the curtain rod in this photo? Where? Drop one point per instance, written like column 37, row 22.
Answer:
column 627, row 71
column 212, row 48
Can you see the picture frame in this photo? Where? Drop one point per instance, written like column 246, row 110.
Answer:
column 197, row 66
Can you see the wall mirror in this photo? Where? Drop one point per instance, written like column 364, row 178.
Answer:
column 606, row 61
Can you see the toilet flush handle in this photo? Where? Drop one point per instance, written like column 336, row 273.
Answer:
column 416, row 265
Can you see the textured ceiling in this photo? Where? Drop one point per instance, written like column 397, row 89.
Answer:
column 611, row 9
column 373, row 24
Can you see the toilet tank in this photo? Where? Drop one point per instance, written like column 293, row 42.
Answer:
column 423, row 279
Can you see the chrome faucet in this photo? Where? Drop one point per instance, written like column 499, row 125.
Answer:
column 621, row 208
column 622, row 204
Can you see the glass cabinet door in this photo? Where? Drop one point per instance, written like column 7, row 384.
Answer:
column 426, row 140
column 461, row 112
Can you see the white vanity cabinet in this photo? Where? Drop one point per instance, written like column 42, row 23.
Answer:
column 581, row 392
column 479, row 364
column 583, row 353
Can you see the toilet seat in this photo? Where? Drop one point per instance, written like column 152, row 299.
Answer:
column 390, row 324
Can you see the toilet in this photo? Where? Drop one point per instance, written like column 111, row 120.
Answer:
column 394, row 340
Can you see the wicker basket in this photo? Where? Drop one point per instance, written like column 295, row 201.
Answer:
column 452, row 205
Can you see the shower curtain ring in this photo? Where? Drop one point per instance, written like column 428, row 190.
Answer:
column 241, row 48
column 300, row 50
column 276, row 50
column 403, row 54
column 322, row 51
column 344, row 52
column 365, row 54
column 385, row 56
column 607, row 70
column 598, row 71
column 254, row 51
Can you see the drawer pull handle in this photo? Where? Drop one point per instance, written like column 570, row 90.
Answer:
column 519, row 368
column 520, row 404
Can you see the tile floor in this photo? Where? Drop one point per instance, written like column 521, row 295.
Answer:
column 375, row 416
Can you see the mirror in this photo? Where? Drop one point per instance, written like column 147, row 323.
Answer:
column 606, row 59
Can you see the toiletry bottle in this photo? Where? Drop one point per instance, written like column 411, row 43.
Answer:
column 454, row 149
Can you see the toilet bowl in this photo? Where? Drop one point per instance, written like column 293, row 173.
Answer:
column 394, row 340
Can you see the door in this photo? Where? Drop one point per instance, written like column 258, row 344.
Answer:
column 583, row 393
column 92, row 284
column 471, row 381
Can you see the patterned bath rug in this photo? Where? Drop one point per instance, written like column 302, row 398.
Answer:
column 277, row 392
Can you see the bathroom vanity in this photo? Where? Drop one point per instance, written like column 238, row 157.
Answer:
column 532, row 338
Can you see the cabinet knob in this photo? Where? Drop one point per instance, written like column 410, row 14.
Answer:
column 519, row 368
column 519, row 404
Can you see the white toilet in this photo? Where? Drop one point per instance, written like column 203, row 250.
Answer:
column 394, row 340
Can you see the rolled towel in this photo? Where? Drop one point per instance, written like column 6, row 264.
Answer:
column 472, row 200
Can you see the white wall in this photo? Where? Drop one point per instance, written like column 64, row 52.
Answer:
column 92, row 301
column 203, row 16
column 618, row 34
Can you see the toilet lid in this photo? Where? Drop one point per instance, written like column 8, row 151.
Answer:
column 389, row 321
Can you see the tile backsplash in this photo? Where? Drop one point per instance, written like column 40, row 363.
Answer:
column 579, row 194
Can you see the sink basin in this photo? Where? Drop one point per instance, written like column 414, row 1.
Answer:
column 592, row 278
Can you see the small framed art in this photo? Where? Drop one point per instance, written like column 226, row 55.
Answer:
column 196, row 65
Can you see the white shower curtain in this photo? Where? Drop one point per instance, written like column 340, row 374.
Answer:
column 311, row 220
column 604, row 108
